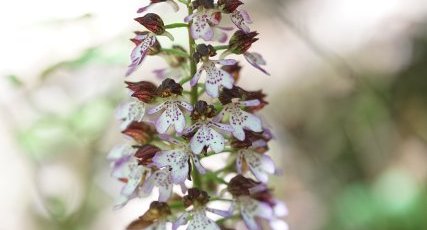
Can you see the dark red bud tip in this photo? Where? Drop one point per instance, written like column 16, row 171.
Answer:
column 145, row 154
column 240, row 186
column 196, row 197
column 145, row 91
column 240, row 42
column 229, row 6
column 141, row 132
column 152, row 22
column 202, row 110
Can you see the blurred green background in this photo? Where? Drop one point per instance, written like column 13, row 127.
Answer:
column 348, row 104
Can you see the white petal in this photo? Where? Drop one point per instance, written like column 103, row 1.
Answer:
column 179, row 120
column 201, row 222
column 216, row 141
column 268, row 164
column 264, row 210
column 177, row 160
column 133, row 182
column 249, row 103
column 182, row 220
column 238, row 132
column 256, row 61
column 219, row 212
column 221, row 126
column 196, row 76
column 256, row 163
column 227, row 79
column 186, row 105
column 156, row 108
column 164, row 121
column 199, row 166
column 238, row 18
column 201, row 28
column 191, row 128
column 212, row 88
column 278, row 224
column 189, row 18
column 252, row 122
column 226, row 62
column 199, row 140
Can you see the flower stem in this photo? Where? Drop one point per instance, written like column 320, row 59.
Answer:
column 221, row 47
column 176, row 25
column 194, row 96
column 176, row 52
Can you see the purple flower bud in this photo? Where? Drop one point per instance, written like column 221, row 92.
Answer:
column 152, row 22
column 241, row 41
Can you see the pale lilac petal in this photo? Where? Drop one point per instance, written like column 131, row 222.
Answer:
column 201, row 221
column 219, row 212
column 191, row 128
column 246, row 16
column 161, row 73
column 196, row 76
column 218, row 118
column 249, row 221
column 133, row 182
column 264, row 210
column 268, row 164
column 227, row 79
column 239, row 133
column 220, row 36
column 212, row 88
column 182, row 220
column 221, row 126
column 201, row 28
column 198, row 165
column 189, row 18
column 157, row 108
column 164, row 182
column 199, row 140
column 179, row 120
column 148, row 185
column 183, row 187
column 280, row 209
column 256, row 61
column 216, row 141
column 238, row 18
column 250, row 103
column 251, row 122
column 163, row 123
column 186, row 105
column 257, row 164
column 278, row 224
column 225, row 62
column 175, row 159
column 139, row 52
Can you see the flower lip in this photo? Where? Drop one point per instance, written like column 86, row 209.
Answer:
column 229, row 6
column 168, row 88
column 152, row 22
column 202, row 111
column 196, row 197
column 241, row 41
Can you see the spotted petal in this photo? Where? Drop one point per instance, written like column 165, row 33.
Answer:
column 241, row 18
column 182, row 220
column 201, row 222
column 177, row 160
column 139, row 52
column 173, row 4
column 250, row 209
column 200, row 27
column 161, row 179
column 260, row 165
column 215, row 78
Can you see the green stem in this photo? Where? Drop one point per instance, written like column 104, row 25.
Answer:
column 221, row 47
column 176, row 25
column 194, row 96
column 176, row 52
